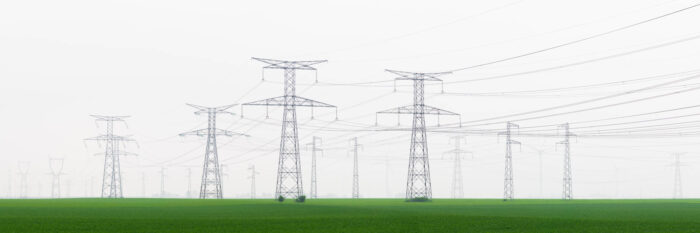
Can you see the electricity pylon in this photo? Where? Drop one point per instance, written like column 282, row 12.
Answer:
column 418, row 184
column 56, row 166
column 355, row 172
column 211, row 185
column 289, row 182
column 162, row 182
column 111, row 177
column 508, row 180
column 224, row 177
column 539, row 156
column 68, row 185
column 143, row 184
column 457, row 178
column 315, row 144
column 92, row 186
column 9, row 184
column 189, row 182
column 677, row 183
column 567, row 194
column 23, row 168
column 253, row 173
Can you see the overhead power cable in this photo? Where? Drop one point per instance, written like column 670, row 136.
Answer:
column 579, row 40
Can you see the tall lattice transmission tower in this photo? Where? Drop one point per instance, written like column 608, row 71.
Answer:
column 567, row 194
column 211, row 185
column 143, row 184
column 189, row 182
column 162, row 182
column 508, row 178
column 289, row 182
column 315, row 148
column 111, row 177
column 56, row 166
column 457, row 156
column 418, row 184
column 355, row 168
column 9, row 184
column 23, row 172
column 677, row 182
column 253, row 173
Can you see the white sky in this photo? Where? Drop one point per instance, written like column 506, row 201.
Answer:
column 63, row 60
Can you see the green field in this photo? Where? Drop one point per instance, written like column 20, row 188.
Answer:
column 344, row 215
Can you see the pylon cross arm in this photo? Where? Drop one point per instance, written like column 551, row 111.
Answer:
column 297, row 65
column 216, row 110
column 409, row 109
column 295, row 101
column 106, row 137
column 404, row 75
column 205, row 132
column 109, row 118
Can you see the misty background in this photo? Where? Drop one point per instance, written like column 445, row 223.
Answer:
column 61, row 61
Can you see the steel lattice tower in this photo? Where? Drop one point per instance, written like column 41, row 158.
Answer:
column 289, row 182
column 162, row 182
column 189, row 182
column 211, row 185
column 9, row 185
column 539, row 156
column 508, row 180
column 418, row 183
column 315, row 144
column 677, row 183
column 567, row 193
column 253, row 173
column 457, row 178
column 23, row 171
column 56, row 172
column 111, row 177
column 143, row 184
column 355, row 169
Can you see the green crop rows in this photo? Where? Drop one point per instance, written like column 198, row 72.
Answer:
column 344, row 215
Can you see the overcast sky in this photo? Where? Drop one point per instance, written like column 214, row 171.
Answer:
column 61, row 61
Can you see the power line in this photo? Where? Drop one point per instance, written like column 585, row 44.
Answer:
column 579, row 40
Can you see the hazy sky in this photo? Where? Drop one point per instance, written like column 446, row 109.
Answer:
column 61, row 61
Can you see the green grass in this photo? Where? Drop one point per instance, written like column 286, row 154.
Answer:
column 343, row 215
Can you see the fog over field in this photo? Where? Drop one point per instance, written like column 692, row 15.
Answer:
column 624, row 75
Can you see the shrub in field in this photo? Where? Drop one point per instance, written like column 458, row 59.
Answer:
column 301, row 198
column 419, row 199
column 280, row 198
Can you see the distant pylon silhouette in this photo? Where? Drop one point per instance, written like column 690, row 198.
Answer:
column 23, row 168
column 457, row 155
column 508, row 190
column 677, row 182
column 56, row 166
column 315, row 144
column 355, row 168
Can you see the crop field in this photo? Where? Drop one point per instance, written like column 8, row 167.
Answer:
column 347, row 215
